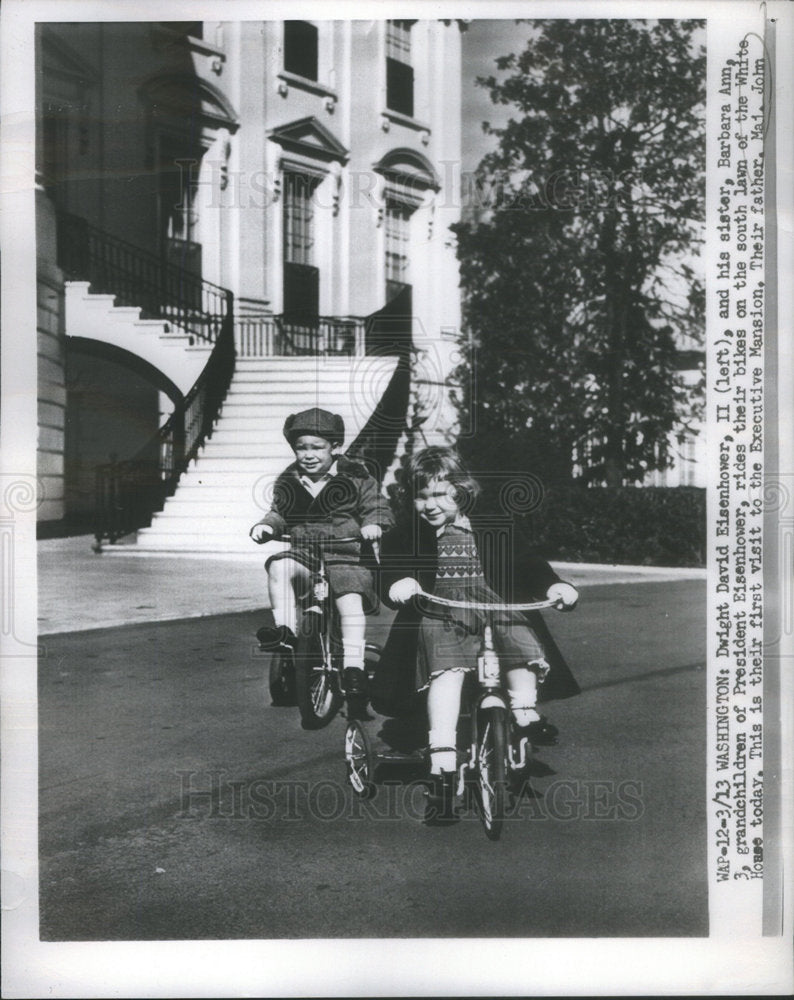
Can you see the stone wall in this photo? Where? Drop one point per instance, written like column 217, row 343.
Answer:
column 51, row 364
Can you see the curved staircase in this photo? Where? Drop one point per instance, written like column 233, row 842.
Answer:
column 227, row 488
column 178, row 354
column 222, row 448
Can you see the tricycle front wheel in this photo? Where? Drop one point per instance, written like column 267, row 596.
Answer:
column 316, row 690
column 491, row 769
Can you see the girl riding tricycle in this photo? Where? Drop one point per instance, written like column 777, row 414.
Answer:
column 472, row 567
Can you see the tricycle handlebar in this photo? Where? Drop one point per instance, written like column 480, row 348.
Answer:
column 320, row 539
column 481, row 606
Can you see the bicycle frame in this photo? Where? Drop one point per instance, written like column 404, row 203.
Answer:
column 319, row 583
column 490, row 693
column 318, row 671
column 491, row 754
column 489, row 705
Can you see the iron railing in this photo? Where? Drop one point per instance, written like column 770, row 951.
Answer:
column 279, row 335
column 136, row 277
column 389, row 331
column 129, row 493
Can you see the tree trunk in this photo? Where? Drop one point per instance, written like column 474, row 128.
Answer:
column 615, row 323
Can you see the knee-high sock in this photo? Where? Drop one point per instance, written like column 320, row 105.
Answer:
column 353, row 624
column 522, row 686
column 282, row 576
column 443, row 709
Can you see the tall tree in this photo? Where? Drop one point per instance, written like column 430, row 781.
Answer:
column 579, row 259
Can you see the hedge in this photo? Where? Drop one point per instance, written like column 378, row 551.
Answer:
column 641, row 526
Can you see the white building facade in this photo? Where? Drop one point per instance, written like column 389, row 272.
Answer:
column 297, row 179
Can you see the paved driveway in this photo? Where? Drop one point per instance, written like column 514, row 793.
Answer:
column 175, row 802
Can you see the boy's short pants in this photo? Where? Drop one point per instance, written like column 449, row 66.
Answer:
column 344, row 577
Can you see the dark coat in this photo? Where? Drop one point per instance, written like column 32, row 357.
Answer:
column 511, row 569
column 347, row 502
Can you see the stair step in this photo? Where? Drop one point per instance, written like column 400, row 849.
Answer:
column 226, row 494
column 247, row 433
column 283, row 371
column 248, row 424
column 230, row 515
column 169, row 336
column 229, row 486
column 287, row 366
column 254, row 432
column 127, row 312
column 238, row 486
column 98, row 301
column 273, row 404
column 298, row 383
column 232, row 475
column 232, row 511
column 250, row 465
column 298, row 390
column 151, row 324
column 308, row 381
column 289, row 402
column 252, row 459
column 234, row 450
column 365, row 369
column 264, row 436
column 268, row 454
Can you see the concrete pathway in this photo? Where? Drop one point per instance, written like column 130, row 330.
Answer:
column 79, row 589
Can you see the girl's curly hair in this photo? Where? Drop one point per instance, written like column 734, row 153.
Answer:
column 435, row 463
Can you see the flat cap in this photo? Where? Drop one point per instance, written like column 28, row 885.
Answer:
column 317, row 422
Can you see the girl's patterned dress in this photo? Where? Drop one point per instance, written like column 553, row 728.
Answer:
column 450, row 638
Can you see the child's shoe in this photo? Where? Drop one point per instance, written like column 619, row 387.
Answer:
column 273, row 636
column 540, row 733
column 440, row 807
column 354, row 682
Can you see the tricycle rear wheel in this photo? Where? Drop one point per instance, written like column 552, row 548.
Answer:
column 360, row 760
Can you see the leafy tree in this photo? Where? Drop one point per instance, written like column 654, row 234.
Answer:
column 579, row 260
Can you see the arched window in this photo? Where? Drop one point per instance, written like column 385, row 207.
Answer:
column 408, row 176
column 408, row 171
